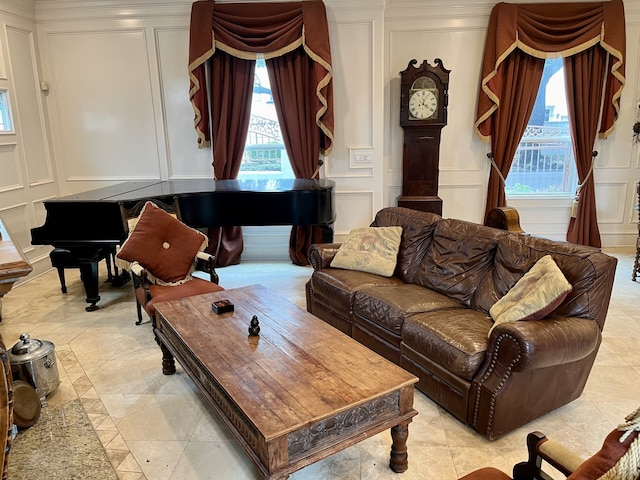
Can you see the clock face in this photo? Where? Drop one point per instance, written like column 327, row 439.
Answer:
column 423, row 105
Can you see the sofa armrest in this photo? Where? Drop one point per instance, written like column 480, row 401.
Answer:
column 321, row 254
column 543, row 343
column 543, row 364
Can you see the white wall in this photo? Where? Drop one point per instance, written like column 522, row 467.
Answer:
column 117, row 109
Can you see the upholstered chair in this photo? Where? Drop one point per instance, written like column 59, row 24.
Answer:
column 618, row 459
column 163, row 253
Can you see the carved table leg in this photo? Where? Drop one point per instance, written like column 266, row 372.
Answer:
column 399, row 435
column 168, row 362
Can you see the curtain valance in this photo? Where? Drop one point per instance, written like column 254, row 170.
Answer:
column 548, row 31
column 265, row 30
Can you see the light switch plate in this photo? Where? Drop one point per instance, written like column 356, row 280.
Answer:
column 360, row 157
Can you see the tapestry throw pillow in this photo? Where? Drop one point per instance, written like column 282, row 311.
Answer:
column 370, row 249
column 538, row 293
column 162, row 244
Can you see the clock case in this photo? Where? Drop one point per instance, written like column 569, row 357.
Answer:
column 421, row 146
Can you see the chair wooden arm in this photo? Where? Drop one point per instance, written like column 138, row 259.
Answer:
column 554, row 453
column 140, row 279
column 205, row 262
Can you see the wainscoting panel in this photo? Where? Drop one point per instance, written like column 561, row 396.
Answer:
column 610, row 201
column 11, row 178
column 28, row 95
column 465, row 202
column 105, row 110
column 185, row 159
column 15, row 218
column 353, row 209
column 353, row 84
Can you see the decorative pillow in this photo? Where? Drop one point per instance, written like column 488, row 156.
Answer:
column 607, row 460
column 370, row 249
column 162, row 244
column 538, row 293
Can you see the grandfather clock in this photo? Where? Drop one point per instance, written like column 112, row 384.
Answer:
column 424, row 98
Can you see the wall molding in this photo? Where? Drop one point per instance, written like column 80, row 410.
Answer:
column 12, row 147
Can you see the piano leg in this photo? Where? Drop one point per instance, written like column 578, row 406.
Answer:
column 59, row 258
column 108, row 262
column 63, row 285
column 89, row 277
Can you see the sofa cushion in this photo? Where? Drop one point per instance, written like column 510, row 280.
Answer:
column 388, row 306
column 370, row 249
column 459, row 257
column 534, row 296
column 585, row 268
column 417, row 233
column 163, row 245
column 456, row 338
column 337, row 286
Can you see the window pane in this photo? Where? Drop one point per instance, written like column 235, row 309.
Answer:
column 264, row 152
column 5, row 117
column 544, row 163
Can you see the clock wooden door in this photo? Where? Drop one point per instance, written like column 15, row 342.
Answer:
column 424, row 94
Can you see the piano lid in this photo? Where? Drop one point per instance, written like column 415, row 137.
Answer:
column 132, row 191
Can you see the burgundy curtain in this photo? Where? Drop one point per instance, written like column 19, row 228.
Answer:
column 552, row 30
column 291, row 77
column 269, row 30
column 521, row 75
column 584, row 73
column 230, row 114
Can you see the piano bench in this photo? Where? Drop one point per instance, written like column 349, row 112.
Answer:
column 86, row 259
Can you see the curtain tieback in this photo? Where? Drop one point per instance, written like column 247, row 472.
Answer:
column 320, row 163
column 574, row 205
column 493, row 164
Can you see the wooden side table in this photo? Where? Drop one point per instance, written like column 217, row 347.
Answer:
column 13, row 263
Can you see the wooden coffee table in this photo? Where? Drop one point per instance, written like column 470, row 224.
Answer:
column 295, row 394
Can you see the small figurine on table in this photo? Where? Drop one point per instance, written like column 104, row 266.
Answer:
column 254, row 327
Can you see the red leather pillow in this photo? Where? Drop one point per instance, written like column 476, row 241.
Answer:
column 163, row 245
column 599, row 464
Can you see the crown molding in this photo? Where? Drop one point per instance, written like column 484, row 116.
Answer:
column 60, row 10
column 19, row 8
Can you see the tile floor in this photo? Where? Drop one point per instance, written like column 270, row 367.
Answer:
column 157, row 427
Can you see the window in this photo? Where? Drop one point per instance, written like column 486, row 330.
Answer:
column 544, row 164
column 264, row 153
column 5, row 113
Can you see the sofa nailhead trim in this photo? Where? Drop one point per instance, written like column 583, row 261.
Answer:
column 498, row 388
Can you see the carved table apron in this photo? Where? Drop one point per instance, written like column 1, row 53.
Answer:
column 298, row 392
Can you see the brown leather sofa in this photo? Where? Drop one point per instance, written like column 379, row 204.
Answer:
column 431, row 317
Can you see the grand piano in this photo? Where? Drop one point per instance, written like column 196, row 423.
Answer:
column 86, row 228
